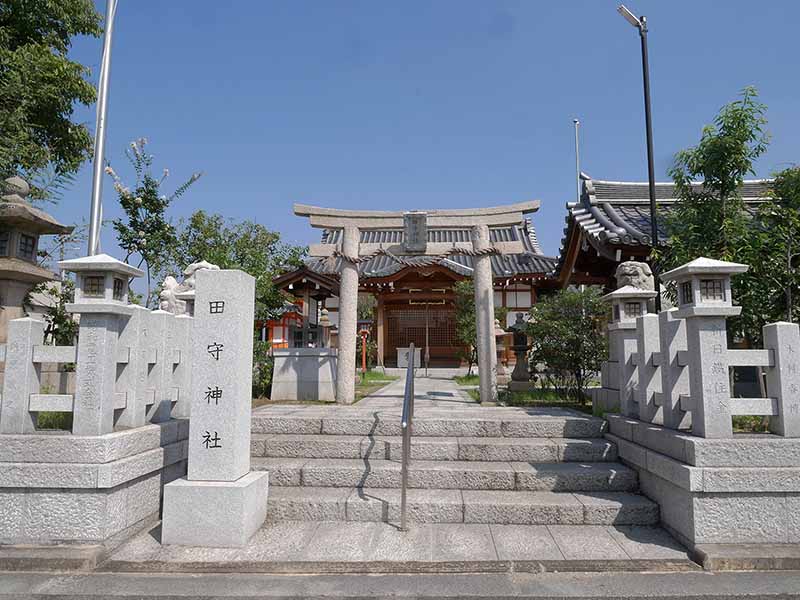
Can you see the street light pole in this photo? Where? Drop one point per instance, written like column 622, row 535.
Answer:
column 96, row 212
column 641, row 24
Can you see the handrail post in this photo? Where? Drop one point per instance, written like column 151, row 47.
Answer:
column 406, row 424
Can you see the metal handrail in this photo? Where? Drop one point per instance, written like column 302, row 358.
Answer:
column 406, row 424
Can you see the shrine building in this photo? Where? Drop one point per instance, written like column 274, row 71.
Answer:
column 409, row 262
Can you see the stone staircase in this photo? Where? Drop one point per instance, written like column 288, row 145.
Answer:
column 471, row 465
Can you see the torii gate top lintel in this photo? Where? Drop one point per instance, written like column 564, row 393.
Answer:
column 336, row 218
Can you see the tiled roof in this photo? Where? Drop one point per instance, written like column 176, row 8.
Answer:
column 615, row 214
column 531, row 262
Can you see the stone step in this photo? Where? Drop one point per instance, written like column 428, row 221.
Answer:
column 540, row 450
column 455, row 506
column 463, row 475
column 512, row 423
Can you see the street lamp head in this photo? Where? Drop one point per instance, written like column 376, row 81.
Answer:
column 629, row 16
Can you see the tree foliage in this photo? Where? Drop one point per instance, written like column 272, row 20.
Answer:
column 146, row 233
column 244, row 245
column 711, row 219
column 567, row 336
column 40, row 86
column 466, row 327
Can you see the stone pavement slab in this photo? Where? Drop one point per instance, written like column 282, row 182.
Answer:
column 366, row 547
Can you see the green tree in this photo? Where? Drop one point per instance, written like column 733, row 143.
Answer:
column 466, row 328
column 769, row 293
column 250, row 247
column 145, row 232
column 244, row 245
column 40, row 86
column 567, row 337
column 710, row 219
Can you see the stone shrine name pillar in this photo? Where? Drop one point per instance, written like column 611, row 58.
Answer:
column 484, row 314
column 220, row 503
column 348, row 317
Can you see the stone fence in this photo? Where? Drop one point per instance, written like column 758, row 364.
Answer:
column 129, row 407
column 144, row 359
column 673, row 368
column 668, row 378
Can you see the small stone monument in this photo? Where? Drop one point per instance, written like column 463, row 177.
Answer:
column 220, row 503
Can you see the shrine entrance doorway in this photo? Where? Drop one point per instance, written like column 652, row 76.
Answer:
column 427, row 327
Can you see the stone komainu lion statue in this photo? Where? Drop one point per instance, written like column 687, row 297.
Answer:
column 636, row 274
column 168, row 299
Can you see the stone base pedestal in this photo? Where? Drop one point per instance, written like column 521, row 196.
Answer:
column 215, row 514
column 741, row 490
column 69, row 488
column 604, row 401
column 304, row 374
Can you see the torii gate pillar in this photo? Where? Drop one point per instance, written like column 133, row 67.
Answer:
column 484, row 314
column 348, row 318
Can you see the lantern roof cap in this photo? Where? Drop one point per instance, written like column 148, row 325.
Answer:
column 705, row 266
column 100, row 262
column 630, row 291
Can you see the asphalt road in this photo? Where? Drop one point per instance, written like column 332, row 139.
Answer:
column 700, row 585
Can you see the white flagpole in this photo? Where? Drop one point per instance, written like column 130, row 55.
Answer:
column 96, row 212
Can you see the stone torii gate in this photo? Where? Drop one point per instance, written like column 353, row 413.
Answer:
column 415, row 226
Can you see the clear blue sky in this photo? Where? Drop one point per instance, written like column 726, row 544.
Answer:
column 424, row 104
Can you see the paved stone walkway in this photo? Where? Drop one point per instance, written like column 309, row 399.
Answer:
column 435, row 391
column 329, row 547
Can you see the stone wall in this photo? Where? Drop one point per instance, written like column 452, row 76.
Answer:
column 86, row 488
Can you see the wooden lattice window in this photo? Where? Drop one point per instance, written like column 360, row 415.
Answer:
column 407, row 326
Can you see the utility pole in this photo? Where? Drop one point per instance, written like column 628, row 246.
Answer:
column 96, row 211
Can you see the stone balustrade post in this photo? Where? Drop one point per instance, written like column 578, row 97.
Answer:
column 181, row 361
column 131, row 378
column 95, row 373
column 783, row 378
column 674, row 374
column 648, row 363
column 159, row 369
column 348, row 317
column 484, row 314
column 22, row 375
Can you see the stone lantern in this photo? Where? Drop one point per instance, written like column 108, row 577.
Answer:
column 628, row 303
column 101, row 300
column 520, row 376
column 21, row 225
column 704, row 300
column 704, row 287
